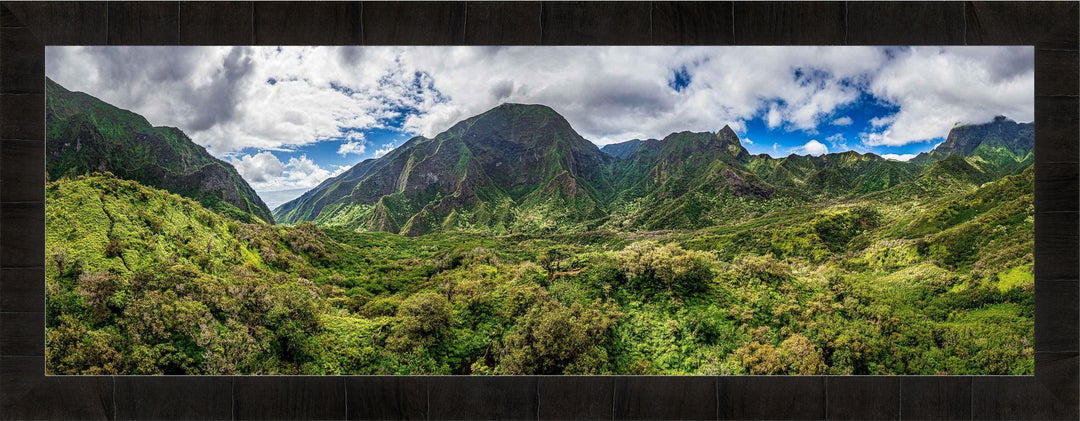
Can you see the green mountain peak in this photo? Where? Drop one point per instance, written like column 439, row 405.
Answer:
column 485, row 172
column 85, row 135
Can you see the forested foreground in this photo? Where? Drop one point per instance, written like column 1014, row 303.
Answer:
column 915, row 280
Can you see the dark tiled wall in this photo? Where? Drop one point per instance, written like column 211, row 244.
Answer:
column 26, row 27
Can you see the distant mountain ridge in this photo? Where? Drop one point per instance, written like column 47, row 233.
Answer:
column 85, row 135
column 522, row 168
column 625, row 149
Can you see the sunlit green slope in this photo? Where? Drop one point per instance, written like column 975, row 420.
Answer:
column 142, row 281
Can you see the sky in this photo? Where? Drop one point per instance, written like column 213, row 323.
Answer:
column 290, row 117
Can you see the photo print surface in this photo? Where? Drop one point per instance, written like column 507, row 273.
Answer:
column 539, row 210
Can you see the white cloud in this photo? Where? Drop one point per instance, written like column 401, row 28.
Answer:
column 882, row 121
column 355, row 148
column 747, row 141
column 385, row 149
column 842, row 121
column 273, row 199
column 232, row 98
column 276, row 181
column 340, row 169
column 937, row 87
column 812, row 147
column 838, row 142
column 773, row 117
column 898, row 157
column 259, row 168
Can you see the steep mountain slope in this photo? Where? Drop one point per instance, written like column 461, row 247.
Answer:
column 686, row 180
column 513, row 167
column 997, row 148
column 1018, row 138
column 86, row 135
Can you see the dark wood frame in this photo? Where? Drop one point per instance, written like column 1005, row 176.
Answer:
column 1051, row 27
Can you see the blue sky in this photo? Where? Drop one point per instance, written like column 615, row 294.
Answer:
column 841, row 133
column 289, row 117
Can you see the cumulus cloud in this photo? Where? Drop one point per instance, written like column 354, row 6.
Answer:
column 773, row 117
column 882, row 121
column 385, row 149
column 351, row 148
column 936, row 87
column 266, row 173
column 842, row 121
column 259, row 168
column 898, row 157
column 812, row 147
column 231, row 98
column 838, row 142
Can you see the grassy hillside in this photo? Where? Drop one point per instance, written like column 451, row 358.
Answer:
column 901, row 281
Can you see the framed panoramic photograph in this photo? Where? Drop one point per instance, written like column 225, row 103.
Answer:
column 486, row 210
column 539, row 210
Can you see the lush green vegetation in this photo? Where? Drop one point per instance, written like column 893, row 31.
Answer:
column 141, row 281
column 511, row 245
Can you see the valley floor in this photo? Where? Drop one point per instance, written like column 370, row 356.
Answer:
column 890, row 283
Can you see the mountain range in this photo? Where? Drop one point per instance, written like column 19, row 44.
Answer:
column 522, row 168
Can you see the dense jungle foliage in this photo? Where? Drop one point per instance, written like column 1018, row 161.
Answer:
column 909, row 280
